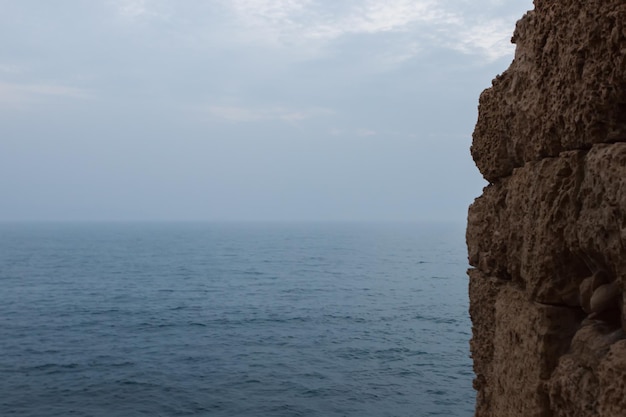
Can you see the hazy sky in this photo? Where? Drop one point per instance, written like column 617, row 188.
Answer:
column 245, row 109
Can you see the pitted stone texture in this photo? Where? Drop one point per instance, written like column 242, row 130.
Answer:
column 565, row 90
column 553, row 223
column 487, row 234
column 575, row 385
column 483, row 330
column 528, row 340
column 601, row 226
column 521, row 228
column 551, row 141
column 612, row 381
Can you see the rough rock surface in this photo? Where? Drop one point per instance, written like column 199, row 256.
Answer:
column 547, row 239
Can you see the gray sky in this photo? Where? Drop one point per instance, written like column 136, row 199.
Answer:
column 245, row 109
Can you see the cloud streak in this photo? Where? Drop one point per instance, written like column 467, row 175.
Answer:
column 258, row 114
column 443, row 24
column 10, row 69
column 18, row 96
column 308, row 27
column 132, row 9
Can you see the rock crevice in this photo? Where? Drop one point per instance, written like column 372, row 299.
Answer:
column 547, row 238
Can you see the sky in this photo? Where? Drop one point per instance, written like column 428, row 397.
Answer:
column 245, row 110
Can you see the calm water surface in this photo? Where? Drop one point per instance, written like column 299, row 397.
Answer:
column 234, row 320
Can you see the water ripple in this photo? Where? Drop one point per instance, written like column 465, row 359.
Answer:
column 233, row 320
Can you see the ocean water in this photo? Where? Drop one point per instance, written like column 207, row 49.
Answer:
column 132, row 319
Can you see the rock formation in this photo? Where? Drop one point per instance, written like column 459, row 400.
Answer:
column 547, row 239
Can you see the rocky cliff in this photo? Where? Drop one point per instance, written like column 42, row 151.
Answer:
column 547, row 239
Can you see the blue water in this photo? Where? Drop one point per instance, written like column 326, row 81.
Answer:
column 233, row 320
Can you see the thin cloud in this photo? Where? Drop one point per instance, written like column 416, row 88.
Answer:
column 359, row 132
column 272, row 21
column 10, row 69
column 443, row 24
column 363, row 132
column 137, row 9
column 377, row 17
column 308, row 19
column 132, row 8
column 308, row 28
column 20, row 95
column 252, row 114
column 490, row 39
column 276, row 11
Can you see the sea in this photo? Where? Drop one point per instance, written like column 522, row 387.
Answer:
column 234, row 319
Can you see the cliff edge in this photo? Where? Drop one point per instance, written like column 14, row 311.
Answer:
column 547, row 239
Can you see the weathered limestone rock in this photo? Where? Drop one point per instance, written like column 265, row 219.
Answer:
column 521, row 228
column 529, row 338
column 547, row 239
column 565, row 90
column 583, row 376
column 482, row 344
